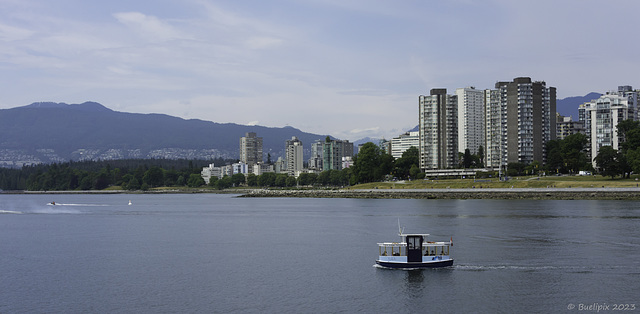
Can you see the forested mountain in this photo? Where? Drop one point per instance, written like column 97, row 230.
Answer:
column 569, row 106
column 57, row 132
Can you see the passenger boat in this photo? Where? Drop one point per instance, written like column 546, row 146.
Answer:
column 414, row 251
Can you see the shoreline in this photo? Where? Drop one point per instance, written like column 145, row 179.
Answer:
column 498, row 193
column 632, row 193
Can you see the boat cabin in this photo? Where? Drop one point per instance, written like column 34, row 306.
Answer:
column 413, row 248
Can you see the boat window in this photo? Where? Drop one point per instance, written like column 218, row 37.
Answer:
column 413, row 243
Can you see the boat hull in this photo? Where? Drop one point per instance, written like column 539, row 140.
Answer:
column 433, row 264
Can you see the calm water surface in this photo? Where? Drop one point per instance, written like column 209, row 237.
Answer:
column 218, row 253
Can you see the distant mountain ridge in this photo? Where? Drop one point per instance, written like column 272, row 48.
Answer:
column 569, row 106
column 45, row 132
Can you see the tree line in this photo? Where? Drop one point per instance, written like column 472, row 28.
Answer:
column 133, row 174
column 371, row 164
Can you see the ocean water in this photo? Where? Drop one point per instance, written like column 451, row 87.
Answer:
column 208, row 253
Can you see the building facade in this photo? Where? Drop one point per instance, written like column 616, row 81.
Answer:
column 315, row 162
column 565, row 126
column 471, row 111
column 251, row 149
column 495, row 154
column 293, row 156
column 403, row 142
column 601, row 116
column 521, row 118
column 438, row 130
column 332, row 153
column 211, row 171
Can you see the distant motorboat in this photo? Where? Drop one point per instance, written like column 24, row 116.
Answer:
column 129, row 202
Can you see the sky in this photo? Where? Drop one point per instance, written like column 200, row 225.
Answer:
column 348, row 68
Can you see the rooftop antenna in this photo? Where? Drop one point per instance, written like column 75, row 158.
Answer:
column 400, row 230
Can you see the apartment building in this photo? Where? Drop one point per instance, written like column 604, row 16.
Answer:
column 251, row 149
column 332, row 153
column 471, row 111
column 521, row 118
column 438, row 130
column 601, row 116
column 403, row 142
column 293, row 156
column 495, row 129
column 566, row 126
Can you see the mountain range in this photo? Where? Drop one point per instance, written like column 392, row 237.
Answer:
column 47, row 132
column 569, row 106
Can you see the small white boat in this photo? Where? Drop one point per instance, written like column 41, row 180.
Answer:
column 414, row 251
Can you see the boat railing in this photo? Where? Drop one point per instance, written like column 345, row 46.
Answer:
column 392, row 248
column 428, row 248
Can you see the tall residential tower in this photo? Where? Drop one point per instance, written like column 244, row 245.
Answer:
column 438, row 130
column 251, row 149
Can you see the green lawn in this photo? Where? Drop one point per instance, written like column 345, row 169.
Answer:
column 516, row 182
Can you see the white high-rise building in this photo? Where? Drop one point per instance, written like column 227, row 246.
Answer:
column 601, row 116
column 495, row 129
column 293, row 156
column 438, row 133
column 471, row 133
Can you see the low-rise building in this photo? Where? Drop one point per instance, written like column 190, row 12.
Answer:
column 565, row 126
column 261, row 168
column 211, row 171
column 403, row 142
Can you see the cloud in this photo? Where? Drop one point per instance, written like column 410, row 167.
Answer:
column 11, row 33
column 148, row 26
column 262, row 42
column 345, row 68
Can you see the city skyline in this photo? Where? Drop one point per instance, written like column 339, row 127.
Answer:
column 350, row 69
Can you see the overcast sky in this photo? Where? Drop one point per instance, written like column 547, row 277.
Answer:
column 347, row 68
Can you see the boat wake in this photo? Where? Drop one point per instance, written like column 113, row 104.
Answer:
column 84, row 205
column 9, row 212
column 501, row 267
column 54, row 210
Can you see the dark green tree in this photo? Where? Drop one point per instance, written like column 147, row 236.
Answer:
column 238, row 179
column 573, row 152
column 195, row 180
column 607, row 161
column 324, row 178
column 404, row 164
column 371, row 164
column 554, row 156
column 291, row 181
column 212, row 181
column 267, row 179
column 252, row 179
column 307, row 179
column 154, row 177
column 467, row 159
column 224, row 183
column 281, row 180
